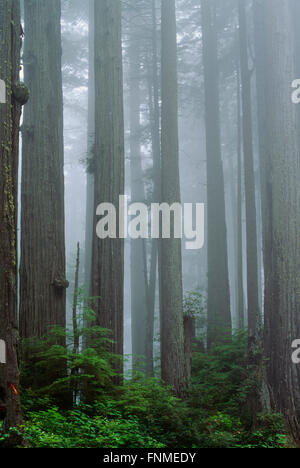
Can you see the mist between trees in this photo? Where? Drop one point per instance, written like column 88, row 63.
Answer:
column 160, row 216
column 112, row 110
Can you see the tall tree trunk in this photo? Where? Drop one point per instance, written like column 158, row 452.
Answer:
column 138, row 263
column 254, row 319
column 265, row 180
column 154, row 111
column 75, row 302
column 189, row 340
column 74, row 372
column 90, row 160
column 108, row 254
column 241, row 306
column 282, row 289
column 151, row 309
column 42, row 270
column 296, row 12
column 218, row 300
column 10, row 111
column 172, row 334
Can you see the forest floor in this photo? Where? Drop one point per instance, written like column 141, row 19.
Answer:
column 143, row 413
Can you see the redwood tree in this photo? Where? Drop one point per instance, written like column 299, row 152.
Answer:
column 10, row 111
column 282, row 247
column 42, row 269
column 108, row 254
column 172, row 332
column 254, row 320
column 218, row 300
column 138, row 266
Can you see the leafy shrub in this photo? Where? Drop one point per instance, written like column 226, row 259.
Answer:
column 53, row 370
column 142, row 413
column 219, row 375
column 76, row 429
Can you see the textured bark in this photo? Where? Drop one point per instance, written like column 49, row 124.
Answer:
column 282, row 289
column 138, row 260
column 10, row 409
column 42, row 269
column 172, row 335
column 254, row 319
column 218, row 300
column 108, row 254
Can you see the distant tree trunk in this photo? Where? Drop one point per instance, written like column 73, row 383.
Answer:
column 108, row 254
column 74, row 371
column 254, row 318
column 241, row 306
column 138, row 264
column 218, row 301
column 189, row 340
column 172, row 334
column 282, row 289
column 151, row 309
column 265, row 180
column 75, row 302
column 155, row 139
column 10, row 30
column 90, row 157
column 42, row 271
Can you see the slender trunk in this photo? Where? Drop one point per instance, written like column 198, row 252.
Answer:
column 265, row 180
column 218, row 300
column 75, row 302
column 74, row 371
column 138, row 263
column 254, row 318
column 90, row 161
column 241, row 306
column 189, row 340
column 10, row 111
column 154, row 112
column 151, row 310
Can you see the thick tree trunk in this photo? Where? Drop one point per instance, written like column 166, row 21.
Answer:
column 218, row 300
column 282, row 254
column 42, row 270
column 10, row 111
column 172, row 334
column 108, row 254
